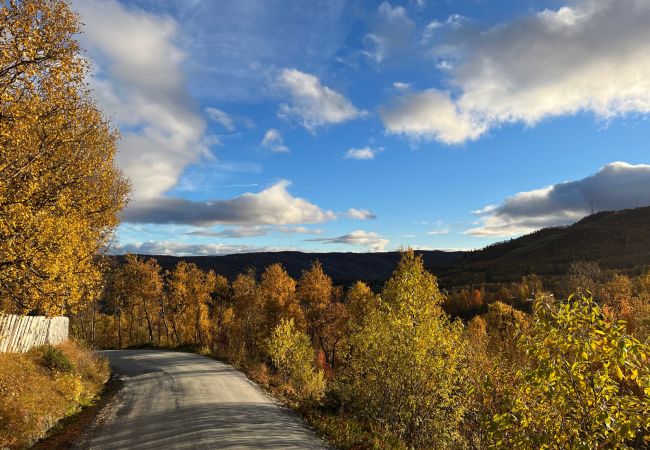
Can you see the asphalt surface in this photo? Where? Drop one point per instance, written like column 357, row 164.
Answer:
column 173, row 400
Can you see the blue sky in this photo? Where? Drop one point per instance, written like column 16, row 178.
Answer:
column 368, row 126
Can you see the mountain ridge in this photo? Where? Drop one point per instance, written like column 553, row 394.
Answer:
column 617, row 240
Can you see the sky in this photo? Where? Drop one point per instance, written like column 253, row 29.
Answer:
column 369, row 126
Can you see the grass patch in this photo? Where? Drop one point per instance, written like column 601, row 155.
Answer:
column 39, row 388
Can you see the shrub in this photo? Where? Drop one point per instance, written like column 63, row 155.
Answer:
column 586, row 385
column 42, row 386
column 406, row 367
column 52, row 359
column 294, row 357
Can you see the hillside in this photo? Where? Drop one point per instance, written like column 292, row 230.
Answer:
column 617, row 240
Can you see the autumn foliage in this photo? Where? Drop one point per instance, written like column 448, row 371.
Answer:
column 392, row 369
column 60, row 190
column 44, row 385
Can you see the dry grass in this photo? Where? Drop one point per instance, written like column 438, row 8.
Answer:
column 34, row 397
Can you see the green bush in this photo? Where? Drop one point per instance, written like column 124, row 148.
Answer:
column 587, row 383
column 53, row 359
column 294, row 357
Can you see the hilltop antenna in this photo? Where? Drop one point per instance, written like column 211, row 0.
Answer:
column 592, row 208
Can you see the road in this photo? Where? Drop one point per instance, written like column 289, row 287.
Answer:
column 174, row 400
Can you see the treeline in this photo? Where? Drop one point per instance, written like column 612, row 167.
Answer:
column 393, row 369
column 627, row 297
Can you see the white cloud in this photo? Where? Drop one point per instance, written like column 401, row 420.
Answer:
column 186, row 249
column 372, row 241
column 272, row 206
column 364, row 153
column 273, row 140
column 438, row 232
column 590, row 56
column 140, row 85
column 221, row 118
column 400, row 85
column 615, row 186
column 313, row 105
column 430, row 114
column 360, row 214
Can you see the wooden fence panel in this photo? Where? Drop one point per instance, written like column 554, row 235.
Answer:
column 20, row 333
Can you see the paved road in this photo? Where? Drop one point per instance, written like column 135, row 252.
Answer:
column 173, row 400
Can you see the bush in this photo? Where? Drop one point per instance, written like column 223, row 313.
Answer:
column 42, row 386
column 586, row 385
column 406, row 365
column 52, row 359
column 294, row 357
column 30, row 401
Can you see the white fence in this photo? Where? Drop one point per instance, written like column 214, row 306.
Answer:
column 20, row 333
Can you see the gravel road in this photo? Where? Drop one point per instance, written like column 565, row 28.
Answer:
column 173, row 400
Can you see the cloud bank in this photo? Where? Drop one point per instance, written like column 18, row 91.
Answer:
column 185, row 249
column 615, row 186
column 141, row 86
column 272, row 206
column 590, row 56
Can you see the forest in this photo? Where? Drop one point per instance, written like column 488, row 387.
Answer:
column 491, row 363
column 399, row 368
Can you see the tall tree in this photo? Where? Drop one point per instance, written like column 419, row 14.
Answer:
column 248, row 335
column 189, row 291
column 143, row 287
column 278, row 292
column 315, row 293
column 60, row 190
column 406, row 367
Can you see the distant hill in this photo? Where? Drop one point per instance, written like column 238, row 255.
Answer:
column 344, row 268
column 617, row 240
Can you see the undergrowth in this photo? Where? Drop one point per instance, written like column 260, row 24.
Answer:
column 44, row 385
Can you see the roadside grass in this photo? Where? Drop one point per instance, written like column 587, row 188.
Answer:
column 43, row 386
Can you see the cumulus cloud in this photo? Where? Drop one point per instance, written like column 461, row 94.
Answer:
column 311, row 104
column 272, row 206
column 401, row 85
column 430, row 114
column 273, row 140
column 360, row 214
column 589, row 56
column 140, row 85
column 371, row 240
column 186, row 249
column 221, row 118
column 615, row 186
column 364, row 153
